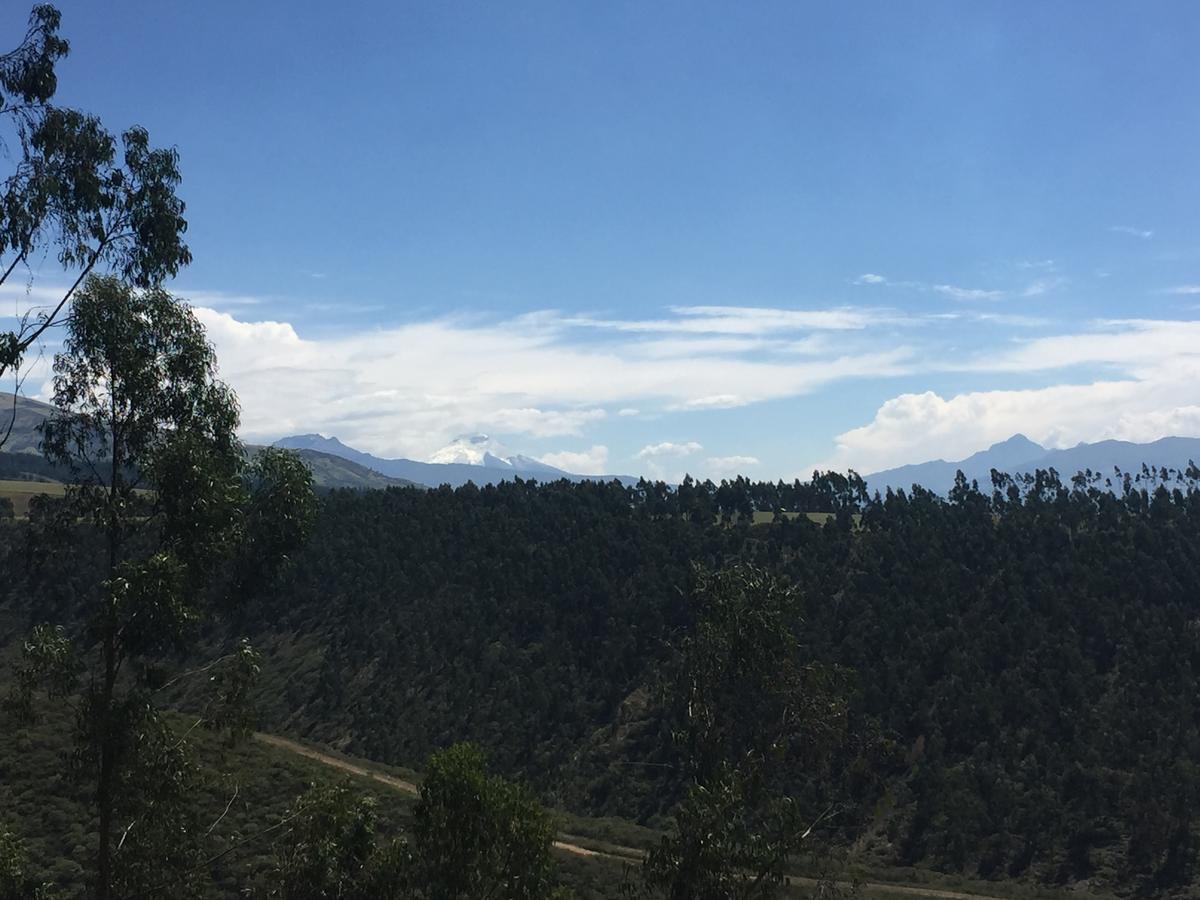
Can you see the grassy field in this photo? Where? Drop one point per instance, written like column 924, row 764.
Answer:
column 20, row 492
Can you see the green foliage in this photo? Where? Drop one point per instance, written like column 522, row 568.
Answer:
column 750, row 711
column 99, row 202
column 1012, row 655
column 16, row 882
column 49, row 662
column 331, row 850
column 473, row 836
column 136, row 397
column 476, row 835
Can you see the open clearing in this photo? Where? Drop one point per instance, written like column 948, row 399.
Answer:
column 21, row 492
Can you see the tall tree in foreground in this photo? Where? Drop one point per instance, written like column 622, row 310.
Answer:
column 752, row 715
column 75, row 191
column 184, row 522
column 477, row 835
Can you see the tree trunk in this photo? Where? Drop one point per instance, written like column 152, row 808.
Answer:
column 108, row 739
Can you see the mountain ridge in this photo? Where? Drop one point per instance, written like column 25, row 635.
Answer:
column 455, row 474
column 1018, row 455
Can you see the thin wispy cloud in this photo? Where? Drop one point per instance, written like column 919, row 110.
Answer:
column 947, row 290
column 743, row 320
column 962, row 293
column 1143, row 233
column 1185, row 289
column 1042, row 286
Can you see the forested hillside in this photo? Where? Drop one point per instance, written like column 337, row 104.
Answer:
column 1024, row 663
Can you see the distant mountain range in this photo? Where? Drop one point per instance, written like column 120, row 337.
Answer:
column 20, row 457
column 476, row 458
column 483, row 460
column 1019, row 455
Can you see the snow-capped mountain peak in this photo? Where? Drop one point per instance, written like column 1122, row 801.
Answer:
column 472, row 450
column 482, row 450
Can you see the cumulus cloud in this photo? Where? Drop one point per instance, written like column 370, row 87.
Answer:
column 719, row 466
column 581, row 462
column 1147, row 391
column 411, row 388
column 667, row 448
column 870, row 278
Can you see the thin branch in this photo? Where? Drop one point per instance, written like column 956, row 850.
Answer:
column 121, row 843
column 13, row 265
column 196, row 671
column 821, row 818
column 25, row 342
column 163, row 885
column 228, row 806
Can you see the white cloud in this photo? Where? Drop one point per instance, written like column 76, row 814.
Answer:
column 1041, row 286
column 1147, row 392
column 1186, row 289
column 627, row 411
column 1144, row 234
column 729, row 465
column 219, row 299
column 667, row 448
column 741, row 320
column 583, row 462
column 1133, row 345
column 961, row 293
column 409, row 389
column 870, row 278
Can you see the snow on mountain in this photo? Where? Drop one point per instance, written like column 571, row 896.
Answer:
column 481, row 450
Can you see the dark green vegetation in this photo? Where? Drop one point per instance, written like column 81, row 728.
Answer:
column 249, row 789
column 22, row 460
column 329, row 471
column 136, row 403
column 1024, row 665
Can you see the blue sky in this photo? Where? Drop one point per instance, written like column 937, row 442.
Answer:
column 657, row 238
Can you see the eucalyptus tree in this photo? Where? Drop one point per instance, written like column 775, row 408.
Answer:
column 750, row 714
column 474, row 836
column 91, row 200
column 185, row 523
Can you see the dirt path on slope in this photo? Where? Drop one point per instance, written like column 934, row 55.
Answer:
column 565, row 842
column 407, row 787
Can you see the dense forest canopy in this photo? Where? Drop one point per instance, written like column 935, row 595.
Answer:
column 1024, row 662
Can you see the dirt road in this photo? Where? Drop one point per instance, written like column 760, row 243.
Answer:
column 565, row 843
